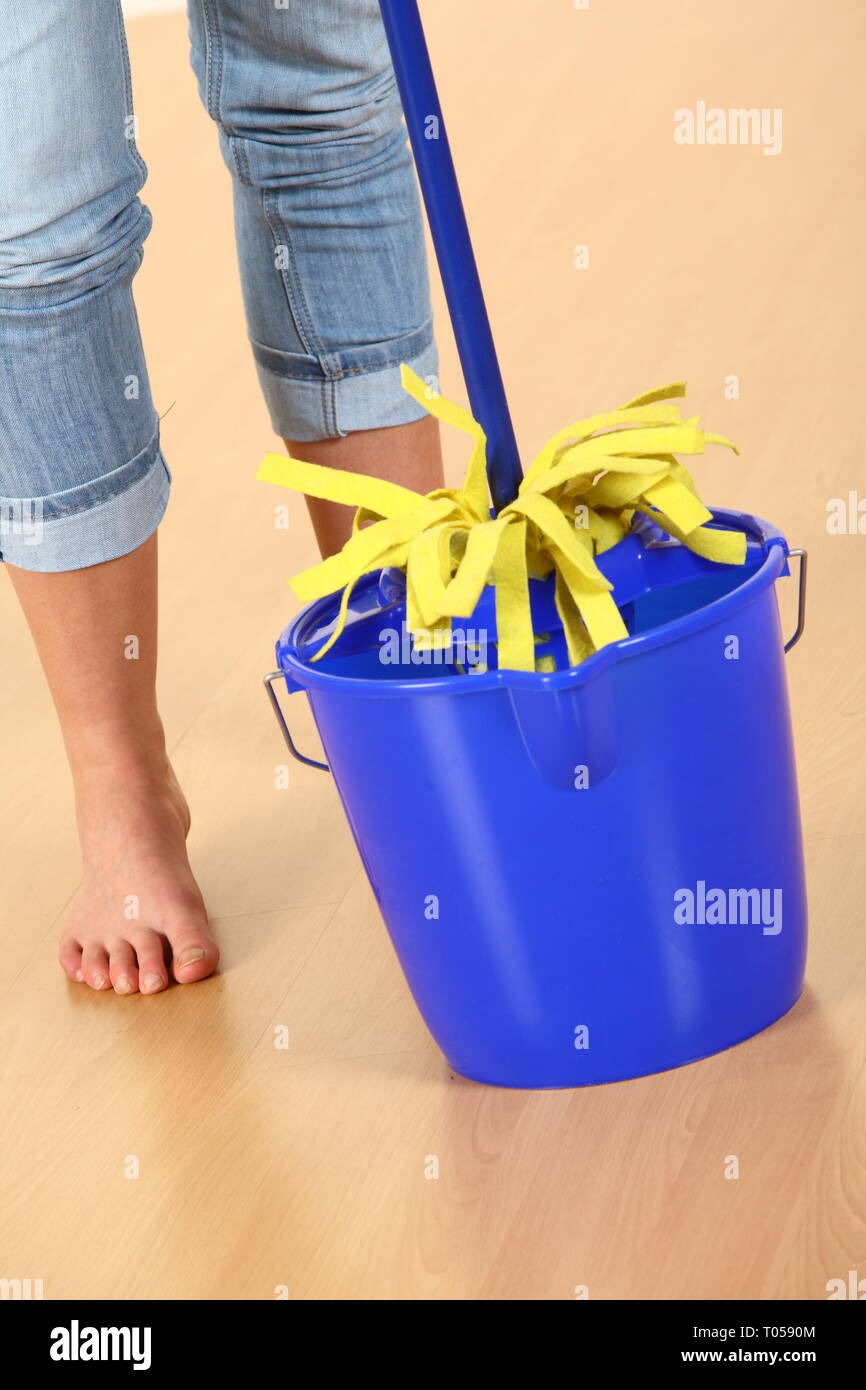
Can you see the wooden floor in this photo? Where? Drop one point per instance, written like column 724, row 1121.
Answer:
column 305, row 1168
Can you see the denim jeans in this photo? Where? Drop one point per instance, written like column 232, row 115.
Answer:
column 329, row 238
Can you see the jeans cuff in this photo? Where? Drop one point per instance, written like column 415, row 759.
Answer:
column 102, row 532
column 361, row 398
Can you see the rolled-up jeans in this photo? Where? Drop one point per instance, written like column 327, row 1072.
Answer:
column 329, row 238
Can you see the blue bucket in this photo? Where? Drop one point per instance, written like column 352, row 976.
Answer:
column 591, row 874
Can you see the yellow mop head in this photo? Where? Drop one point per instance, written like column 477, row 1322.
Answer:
column 576, row 500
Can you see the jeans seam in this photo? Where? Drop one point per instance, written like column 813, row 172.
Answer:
column 127, row 85
column 239, row 155
column 298, row 306
column 213, row 58
column 294, row 290
column 214, row 61
column 329, row 408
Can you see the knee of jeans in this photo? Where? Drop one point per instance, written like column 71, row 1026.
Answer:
column 332, row 146
column 72, row 251
column 304, row 103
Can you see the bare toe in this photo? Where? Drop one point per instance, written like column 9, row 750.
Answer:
column 123, row 968
column 94, row 965
column 194, row 954
column 70, row 958
column 152, row 972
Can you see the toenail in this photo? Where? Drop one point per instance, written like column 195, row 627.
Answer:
column 124, row 985
column 99, row 982
column 79, row 977
column 153, row 982
column 190, row 957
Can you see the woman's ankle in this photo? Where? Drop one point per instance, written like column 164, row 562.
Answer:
column 130, row 754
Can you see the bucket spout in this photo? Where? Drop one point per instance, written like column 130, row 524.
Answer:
column 571, row 736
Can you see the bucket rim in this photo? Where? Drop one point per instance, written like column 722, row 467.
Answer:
column 302, row 675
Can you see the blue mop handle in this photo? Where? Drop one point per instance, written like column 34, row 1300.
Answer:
column 453, row 244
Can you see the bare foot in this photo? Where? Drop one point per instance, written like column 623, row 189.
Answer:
column 139, row 916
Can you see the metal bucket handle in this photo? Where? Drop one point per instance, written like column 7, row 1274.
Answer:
column 802, row 556
column 268, row 682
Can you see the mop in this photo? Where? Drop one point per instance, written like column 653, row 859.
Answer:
column 582, row 494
